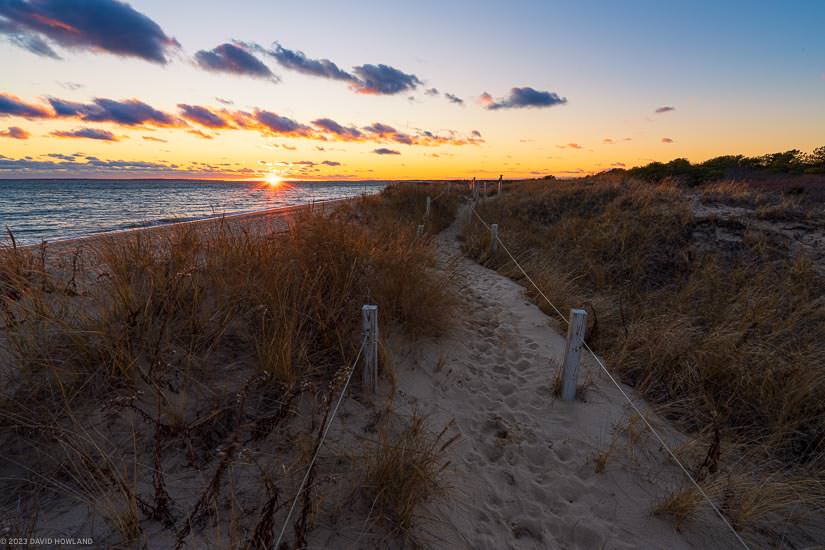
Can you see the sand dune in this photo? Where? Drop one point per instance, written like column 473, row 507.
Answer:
column 524, row 471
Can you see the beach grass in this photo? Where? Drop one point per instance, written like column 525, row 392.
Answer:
column 180, row 361
column 717, row 322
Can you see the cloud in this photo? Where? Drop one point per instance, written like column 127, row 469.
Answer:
column 377, row 79
column 385, row 151
column 11, row 105
column 200, row 134
column 70, row 85
column 23, row 39
column 298, row 61
column 224, row 101
column 152, row 138
column 388, row 133
column 203, row 116
column 520, row 98
column 665, row 109
column 70, row 158
column 91, row 25
column 383, row 80
column 618, row 165
column 89, row 165
column 331, row 163
column 88, row 133
column 570, row 146
column 667, row 140
column 134, row 113
column 280, row 125
column 454, row 99
column 608, row 141
column 129, row 112
column 235, row 59
column 342, row 132
column 15, row 132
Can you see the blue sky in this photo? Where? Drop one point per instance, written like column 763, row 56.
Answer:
column 742, row 77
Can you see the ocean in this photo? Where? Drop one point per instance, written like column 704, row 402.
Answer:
column 49, row 210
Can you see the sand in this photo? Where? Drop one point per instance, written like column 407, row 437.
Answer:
column 523, row 474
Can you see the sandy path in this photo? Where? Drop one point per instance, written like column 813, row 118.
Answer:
column 523, row 473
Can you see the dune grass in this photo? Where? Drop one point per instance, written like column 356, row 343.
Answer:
column 190, row 349
column 722, row 335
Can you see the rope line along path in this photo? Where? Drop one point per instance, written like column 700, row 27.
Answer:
column 320, row 443
column 615, row 382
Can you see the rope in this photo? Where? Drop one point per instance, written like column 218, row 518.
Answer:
column 320, row 443
column 518, row 265
column 625, row 395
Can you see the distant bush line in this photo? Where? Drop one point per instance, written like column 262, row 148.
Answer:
column 731, row 166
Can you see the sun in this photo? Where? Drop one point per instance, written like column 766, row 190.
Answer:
column 273, row 180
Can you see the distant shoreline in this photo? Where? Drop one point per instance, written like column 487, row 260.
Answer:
column 239, row 217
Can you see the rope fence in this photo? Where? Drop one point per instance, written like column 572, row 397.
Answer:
column 364, row 343
column 575, row 343
column 495, row 238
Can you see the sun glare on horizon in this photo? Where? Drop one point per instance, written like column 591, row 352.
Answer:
column 273, row 180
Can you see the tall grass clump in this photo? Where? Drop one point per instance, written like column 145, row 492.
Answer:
column 726, row 335
column 404, row 471
column 404, row 204
column 175, row 346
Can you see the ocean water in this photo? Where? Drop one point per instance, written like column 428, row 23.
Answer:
column 49, row 210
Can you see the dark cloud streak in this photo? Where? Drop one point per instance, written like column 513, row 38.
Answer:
column 384, row 80
column 521, row 98
column 130, row 112
column 11, row 105
column 235, row 59
column 298, row 61
column 92, row 25
column 87, row 133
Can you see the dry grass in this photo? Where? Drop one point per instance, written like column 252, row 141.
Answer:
column 404, row 471
column 195, row 353
column 722, row 335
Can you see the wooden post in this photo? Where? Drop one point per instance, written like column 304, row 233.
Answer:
column 493, row 238
column 572, row 353
column 419, row 231
column 427, row 208
column 499, row 184
column 475, row 190
column 369, row 372
column 484, row 189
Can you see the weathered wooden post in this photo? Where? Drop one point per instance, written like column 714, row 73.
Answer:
column 572, row 353
column 419, row 231
column 493, row 238
column 499, row 184
column 369, row 372
column 475, row 190
column 427, row 208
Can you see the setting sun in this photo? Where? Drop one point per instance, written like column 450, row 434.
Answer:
column 273, row 180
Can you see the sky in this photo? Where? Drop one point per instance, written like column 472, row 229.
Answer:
column 389, row 90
